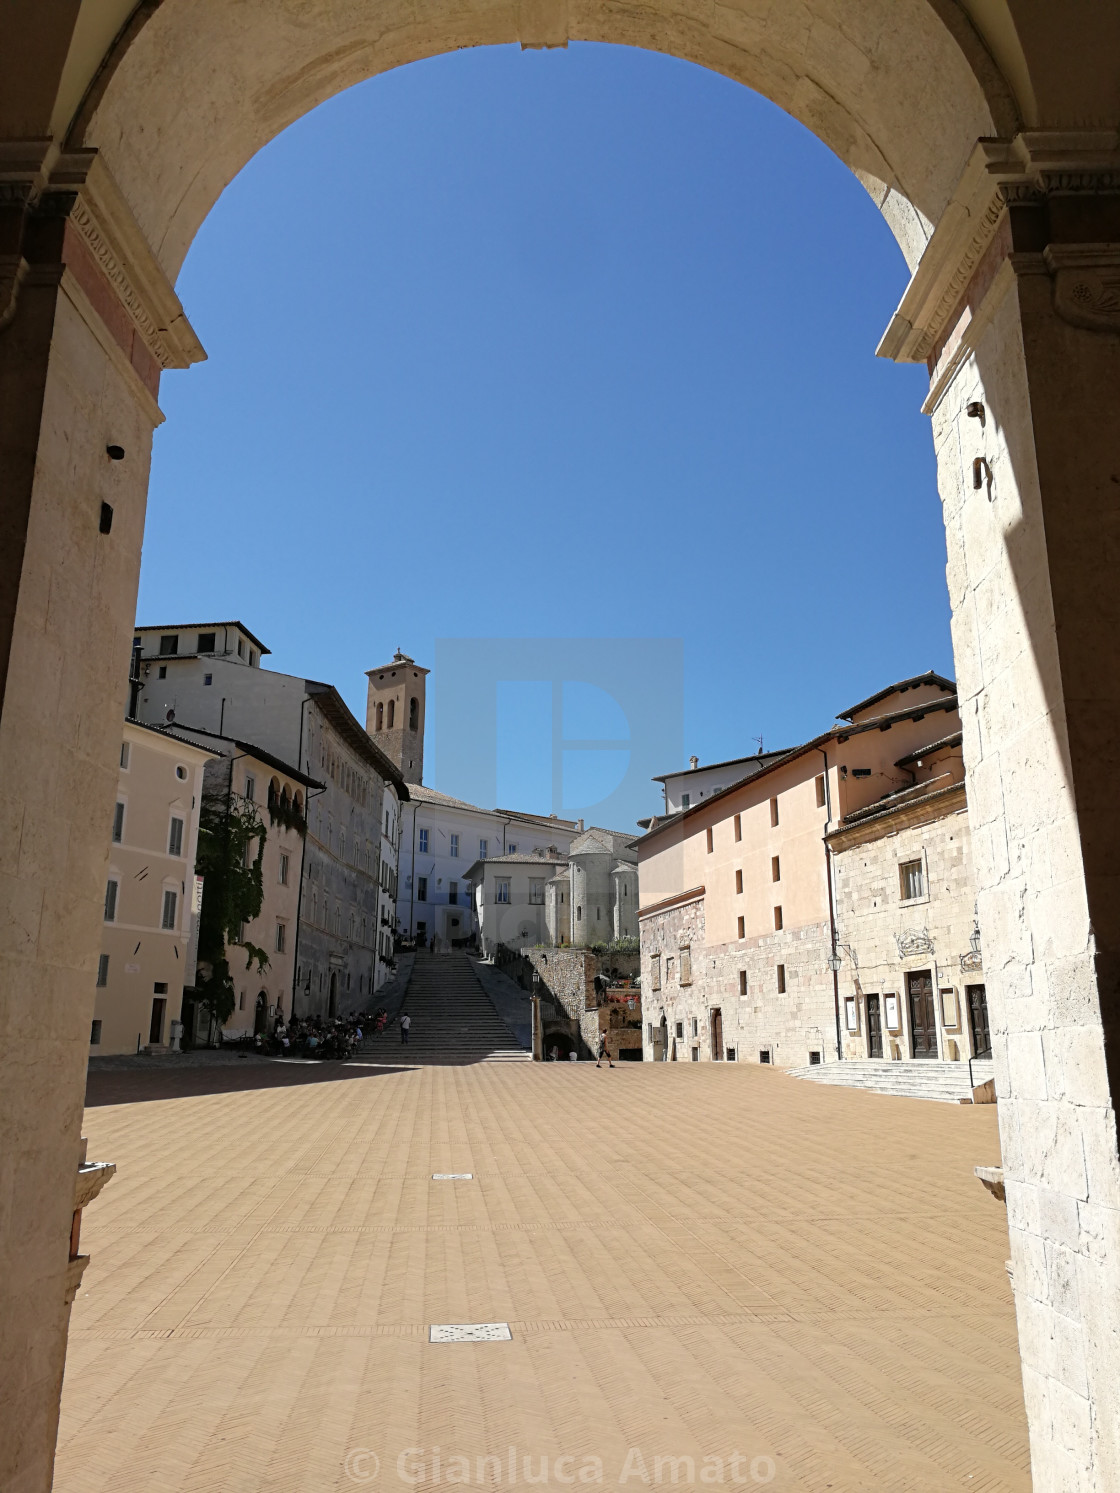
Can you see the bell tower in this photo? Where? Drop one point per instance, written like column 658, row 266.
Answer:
column 395, row 713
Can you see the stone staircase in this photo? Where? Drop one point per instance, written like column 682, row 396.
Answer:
column 947, row 1082
column 453, row 1019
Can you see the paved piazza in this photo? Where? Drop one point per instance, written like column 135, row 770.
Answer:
column 802, row 1284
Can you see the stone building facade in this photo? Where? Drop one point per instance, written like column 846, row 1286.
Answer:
column 584, row 994
column 593, row 898
column 912, row 979
column 736, row 906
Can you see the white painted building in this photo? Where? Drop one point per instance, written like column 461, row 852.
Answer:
column 209, row 676
column 442, row 838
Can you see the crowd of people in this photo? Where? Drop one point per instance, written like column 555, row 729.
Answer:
column 320, row 1036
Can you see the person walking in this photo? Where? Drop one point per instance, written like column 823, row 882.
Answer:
column 603, row 1053
column 406, row 1023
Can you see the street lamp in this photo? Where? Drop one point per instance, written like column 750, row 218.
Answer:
column 835, row 963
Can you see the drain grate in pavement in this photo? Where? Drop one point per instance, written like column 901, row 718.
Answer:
column 453, row 1176
column 470, row 1332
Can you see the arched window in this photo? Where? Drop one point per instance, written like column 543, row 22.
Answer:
column 413, row 713
column 392, row 712
column 380, row 716
column 338, row 920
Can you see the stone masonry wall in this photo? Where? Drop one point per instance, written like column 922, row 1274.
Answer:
column 871, row 920
column 787, row 1025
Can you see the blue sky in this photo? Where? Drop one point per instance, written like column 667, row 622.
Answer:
column 555, row 344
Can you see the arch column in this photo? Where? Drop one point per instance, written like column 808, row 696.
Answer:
column 1016, row 309
column 87, row 323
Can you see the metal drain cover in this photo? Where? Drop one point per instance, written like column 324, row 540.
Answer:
column 470, row 1332
column 453, row 1176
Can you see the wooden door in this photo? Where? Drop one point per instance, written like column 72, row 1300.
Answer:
column 717, row 1035
column 923, row 1018
column 977, row 998
column 874, row 1028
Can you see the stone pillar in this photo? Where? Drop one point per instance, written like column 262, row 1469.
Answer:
column 87, row 322
column 1016, row 308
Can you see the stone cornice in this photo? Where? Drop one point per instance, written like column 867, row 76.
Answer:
column 1001, row 174
column 101, row 217
column 679, row 899
column 938, row 805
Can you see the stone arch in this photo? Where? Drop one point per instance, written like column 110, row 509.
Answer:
column 900, row 90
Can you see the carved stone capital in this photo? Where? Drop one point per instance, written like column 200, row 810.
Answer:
column 973, row 240
column 82, row 188
column 1086, row 284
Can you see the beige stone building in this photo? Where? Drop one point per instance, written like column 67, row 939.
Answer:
column 912, row 977
column 736, row 910
column 593, row 897
column 147, row 953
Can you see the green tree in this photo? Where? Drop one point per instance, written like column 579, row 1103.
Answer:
column 233, row 892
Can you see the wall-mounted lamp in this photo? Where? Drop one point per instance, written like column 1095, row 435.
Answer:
column 975, row 411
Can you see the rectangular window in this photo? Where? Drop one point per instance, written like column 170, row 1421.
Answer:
column 423, row 842
column 170, row 905
column 814, row 1059
column 169, row 645
column 764, row 1056
column 284, row 864
column 102, row 971
column 742, row 928
column 777, row 920
column 775, row 868
column 536, row 891
column 655, row 972
column 111, row 902
column 118, row 823
column 453, row 893
column 241, row 647
column 175, row 838
column 773, row 813
column 207, row 642
column 912, row 882
column 511, row 850
column 208, row 679
column 421, row 889
column 684, row 800
column 454, row 847
column 695, row 1026
column 710, row 840
column 281, row 937
column 155, row 1031
column 742, row 982
column 250, row 787
column 161, row 672
column 126, row 753
column 501, row 889
column 739, row 883
column 820, row 791
column 482, row 844
column 686, row 965
column 95, row 1034
column 730, row 1054
column 738, row 826
column 781, row 979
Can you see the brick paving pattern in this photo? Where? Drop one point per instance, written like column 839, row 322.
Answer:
column 694, row 1261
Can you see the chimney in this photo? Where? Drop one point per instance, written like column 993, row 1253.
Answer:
column 579, row 826
column 693, row 763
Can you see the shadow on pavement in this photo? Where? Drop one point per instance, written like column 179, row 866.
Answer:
column 144, row 1080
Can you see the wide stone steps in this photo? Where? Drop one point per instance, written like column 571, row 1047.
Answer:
column 920, row 1079
column 453, row 1019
